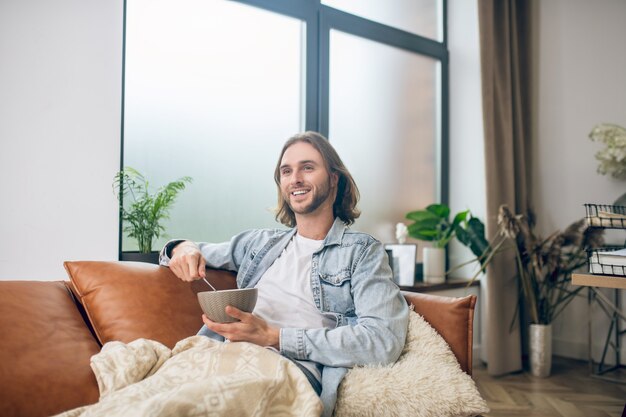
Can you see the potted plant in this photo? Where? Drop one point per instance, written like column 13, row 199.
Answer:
column 544, row 268
column 433, row 224
column 142, row 212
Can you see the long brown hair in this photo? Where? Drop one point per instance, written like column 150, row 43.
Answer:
column 347, row 197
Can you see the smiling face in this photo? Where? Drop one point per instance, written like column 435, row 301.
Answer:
column 305, row 183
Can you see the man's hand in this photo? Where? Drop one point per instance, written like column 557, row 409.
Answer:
column 187, row 262
column 250, row 328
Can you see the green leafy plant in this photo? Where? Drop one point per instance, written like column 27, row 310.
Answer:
column 433, row 224
column 142, row 212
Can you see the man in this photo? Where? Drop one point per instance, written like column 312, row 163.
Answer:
column 326, row 299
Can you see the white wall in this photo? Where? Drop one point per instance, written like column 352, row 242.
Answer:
column 60, row 107
column 580, row 80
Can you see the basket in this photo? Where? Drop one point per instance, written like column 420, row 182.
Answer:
column 605, row 215
column 599, row 266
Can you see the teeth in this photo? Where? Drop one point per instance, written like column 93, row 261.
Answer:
column 299, row 192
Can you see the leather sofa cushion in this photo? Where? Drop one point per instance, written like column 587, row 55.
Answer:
column 130, row 300
column 45, row 349
column 452, row 318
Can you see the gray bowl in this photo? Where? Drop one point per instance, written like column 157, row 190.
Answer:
column 213, row 303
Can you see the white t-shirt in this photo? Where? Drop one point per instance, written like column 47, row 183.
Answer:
column 285, row 298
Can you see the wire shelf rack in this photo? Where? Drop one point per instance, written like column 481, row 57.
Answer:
column 600, row 264
column 605, row 215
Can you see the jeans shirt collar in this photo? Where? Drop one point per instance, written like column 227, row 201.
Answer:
column 335, row 234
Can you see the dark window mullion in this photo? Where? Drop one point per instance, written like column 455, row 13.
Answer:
column 444, row 157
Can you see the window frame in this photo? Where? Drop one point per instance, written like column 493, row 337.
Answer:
column 320, row 20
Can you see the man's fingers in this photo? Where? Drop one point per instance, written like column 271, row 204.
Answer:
column 186, row 267
column 206, row 320
column 179, row 269
column 202, row 267
column 187, row 261
column 192, row 266
column 223, row 329
column 176, row 269
column 236, row 313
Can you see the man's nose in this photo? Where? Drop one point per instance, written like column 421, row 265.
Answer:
column 296, row 178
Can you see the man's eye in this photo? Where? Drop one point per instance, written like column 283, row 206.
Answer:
column 285, row 172
column 308, row 168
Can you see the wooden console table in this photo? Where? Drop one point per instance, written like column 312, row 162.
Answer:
column 604, row 281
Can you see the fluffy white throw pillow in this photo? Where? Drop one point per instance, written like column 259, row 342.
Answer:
column 426, row 381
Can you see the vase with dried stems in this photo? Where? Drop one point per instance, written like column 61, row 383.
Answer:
column 544, row 267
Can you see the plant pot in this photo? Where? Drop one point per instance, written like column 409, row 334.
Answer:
column 540, row 350
column 152, row 257
column 434, row 265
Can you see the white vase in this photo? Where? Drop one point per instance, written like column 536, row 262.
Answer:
column 434, row 264
column 540, row 349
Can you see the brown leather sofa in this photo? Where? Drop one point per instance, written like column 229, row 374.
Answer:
column 49, row 330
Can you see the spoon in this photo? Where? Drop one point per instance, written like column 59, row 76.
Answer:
column 209, row 284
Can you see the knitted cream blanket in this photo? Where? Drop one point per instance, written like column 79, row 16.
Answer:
column 199, row 377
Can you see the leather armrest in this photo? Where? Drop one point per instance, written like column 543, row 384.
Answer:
column 45, row 349
column 452, row 318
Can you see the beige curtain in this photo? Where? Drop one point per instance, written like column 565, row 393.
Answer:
column 505, row 88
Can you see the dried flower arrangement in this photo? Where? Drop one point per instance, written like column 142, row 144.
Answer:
column 613, row 157
column 544, row 266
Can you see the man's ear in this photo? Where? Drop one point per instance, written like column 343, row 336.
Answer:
column 334, row 178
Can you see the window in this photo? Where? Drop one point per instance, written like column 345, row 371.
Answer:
column 386, row 132
column 213, row 88
column 421, row 17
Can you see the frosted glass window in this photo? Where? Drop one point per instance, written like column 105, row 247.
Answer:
column 422, row 17
column 212, row 91
column 383, row 122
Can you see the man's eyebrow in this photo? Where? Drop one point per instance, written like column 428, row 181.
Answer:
column 306, row 161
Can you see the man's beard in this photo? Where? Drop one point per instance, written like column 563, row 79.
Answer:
column 318, row 199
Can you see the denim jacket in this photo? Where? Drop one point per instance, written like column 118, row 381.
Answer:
column 351, row 282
